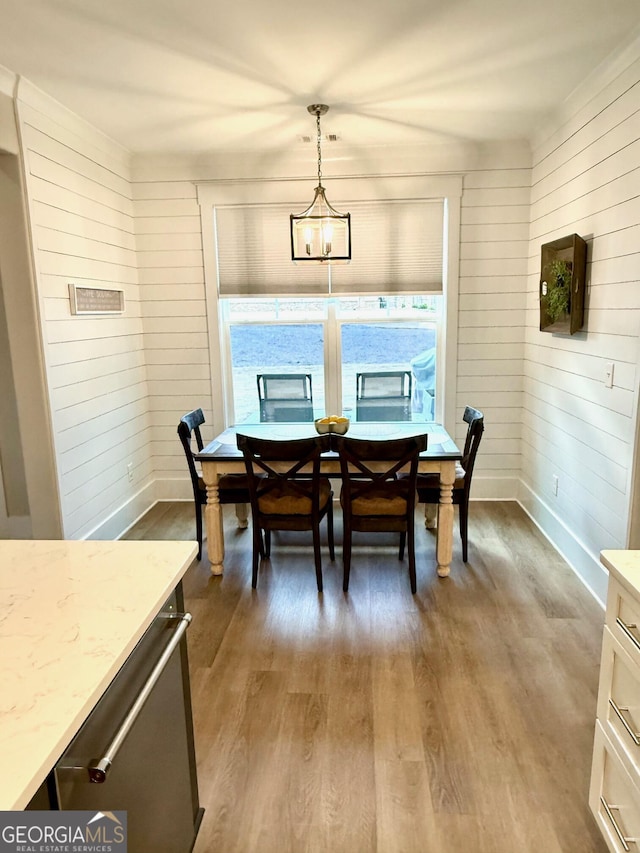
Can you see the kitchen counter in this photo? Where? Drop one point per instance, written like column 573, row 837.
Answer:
column 624, row 566
column 72, row 612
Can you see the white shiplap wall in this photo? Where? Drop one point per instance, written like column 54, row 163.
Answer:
column 81, row 211
column 119, row 384
column 494, row 248
column 493, row 264
column 586, row 180
column 169, row 245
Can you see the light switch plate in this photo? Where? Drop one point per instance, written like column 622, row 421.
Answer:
column 609, row 375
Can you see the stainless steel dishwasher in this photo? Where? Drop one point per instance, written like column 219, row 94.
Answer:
column 135, row 751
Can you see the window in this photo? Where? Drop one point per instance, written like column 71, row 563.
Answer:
column 335, row 341
column 381, row 339
column 250, row 280
column 272, row 336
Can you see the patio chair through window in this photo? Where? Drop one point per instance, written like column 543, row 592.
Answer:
column 383, row 396
column 285, row 397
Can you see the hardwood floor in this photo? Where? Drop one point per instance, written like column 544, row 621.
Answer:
column 458, row 719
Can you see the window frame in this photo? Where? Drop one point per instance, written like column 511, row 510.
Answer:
column 332, row 322
column 224, row 192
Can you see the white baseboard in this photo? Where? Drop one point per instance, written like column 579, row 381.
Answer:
column 117, row 524
column 584, row 563
column 495, row 488
column 125, row 516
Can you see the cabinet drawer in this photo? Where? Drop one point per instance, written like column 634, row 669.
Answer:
column 613, row 797
column 623, row 618
column 619, row 702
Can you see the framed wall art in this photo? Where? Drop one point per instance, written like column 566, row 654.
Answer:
column 563, row 265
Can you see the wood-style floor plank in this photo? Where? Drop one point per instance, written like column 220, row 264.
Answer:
column 459, row 719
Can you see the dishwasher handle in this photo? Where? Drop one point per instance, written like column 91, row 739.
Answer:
column 99, row 769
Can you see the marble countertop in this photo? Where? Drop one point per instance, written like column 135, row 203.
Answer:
column 72, row 612
column 625, row 566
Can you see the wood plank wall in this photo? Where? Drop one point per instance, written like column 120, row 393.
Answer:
column 586, row 180
column 82, row 223
column 493, row 265
column 118, row 385
column 494, row 247
column 169, row 245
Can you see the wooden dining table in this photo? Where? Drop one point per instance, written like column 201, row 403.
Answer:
column 221, row 456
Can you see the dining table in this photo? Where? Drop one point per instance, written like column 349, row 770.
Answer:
column 221, row 456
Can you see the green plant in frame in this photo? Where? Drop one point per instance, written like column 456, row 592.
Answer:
column 559, row 292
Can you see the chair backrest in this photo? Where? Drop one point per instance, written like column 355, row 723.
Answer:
column 475, row 429
column 284, row 386
column 382, row 384
column 285, row 396
column 190, row 424
column 271, row 464
column 383, row 395
column 369, row 466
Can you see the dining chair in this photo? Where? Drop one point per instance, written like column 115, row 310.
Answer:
column 374, row 497
column 285, row 396
column 233, row 488
column 287, row 492
column 383, row 395
column 428, row 485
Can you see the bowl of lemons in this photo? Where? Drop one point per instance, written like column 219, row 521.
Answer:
column 332, row 423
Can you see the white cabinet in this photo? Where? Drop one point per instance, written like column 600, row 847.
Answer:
column 614, row 795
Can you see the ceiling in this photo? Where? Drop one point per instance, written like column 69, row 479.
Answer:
column 189, row 76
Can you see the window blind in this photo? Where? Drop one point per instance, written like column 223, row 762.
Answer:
column 254, row 254
column 397, row 248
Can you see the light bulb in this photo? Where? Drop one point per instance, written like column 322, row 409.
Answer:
column 327, row 234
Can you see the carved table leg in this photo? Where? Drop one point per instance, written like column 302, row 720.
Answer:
column 213, row 519
column 242, row 516
column 430, row 516
column 444, row 540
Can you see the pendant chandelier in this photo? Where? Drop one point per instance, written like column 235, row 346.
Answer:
column 320, row 234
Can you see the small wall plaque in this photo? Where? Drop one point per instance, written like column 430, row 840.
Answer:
column 95, row 300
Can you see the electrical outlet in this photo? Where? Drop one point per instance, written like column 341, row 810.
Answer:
column 554, row 484
column 608, row 375
column 130, row 472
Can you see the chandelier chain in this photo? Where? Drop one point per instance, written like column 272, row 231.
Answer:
column 319, row 137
